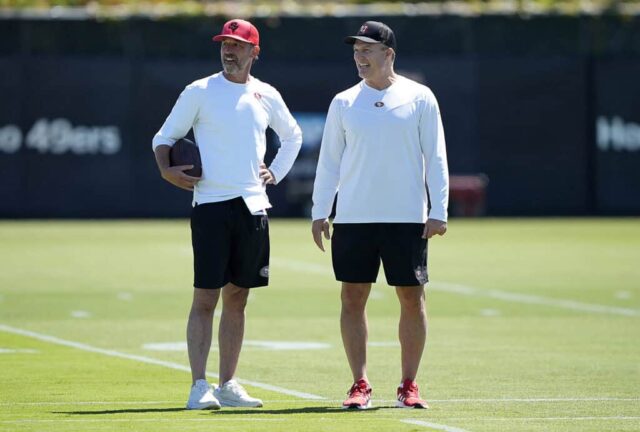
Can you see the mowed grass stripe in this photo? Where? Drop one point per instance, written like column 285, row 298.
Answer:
column 148, row 360
column 146, row 420
column 436, row 426
column 378, row 401
column 526, row 367
column 454, row 288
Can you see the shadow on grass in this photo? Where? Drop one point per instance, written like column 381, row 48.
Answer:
column 224, row 411
column 120, row 411
column 303, row 410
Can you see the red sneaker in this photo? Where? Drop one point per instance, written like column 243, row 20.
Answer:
column 409, row 397
column 359, row 396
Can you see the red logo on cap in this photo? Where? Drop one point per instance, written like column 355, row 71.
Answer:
column 240, row 30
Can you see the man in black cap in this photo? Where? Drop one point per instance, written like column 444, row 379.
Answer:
column 383, row 141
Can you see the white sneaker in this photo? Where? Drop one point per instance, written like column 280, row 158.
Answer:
column 232, row 394
column 201, row 397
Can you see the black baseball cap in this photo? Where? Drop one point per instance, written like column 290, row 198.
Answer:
column 374, row 32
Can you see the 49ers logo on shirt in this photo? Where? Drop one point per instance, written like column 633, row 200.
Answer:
column 234, row 26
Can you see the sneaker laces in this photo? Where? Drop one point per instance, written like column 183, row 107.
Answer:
column 236, row 387
column 202, row 385
column 410, row 391
column 359, row 388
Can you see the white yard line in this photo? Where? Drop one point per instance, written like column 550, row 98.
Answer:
column 506, row 400
column 567, row 418
column 148, row 360
column 589, row 418
column 532, row 299
column 436, row 426
column 536, row 400
column 276, row 389
column 306, row 267
column 517, row 400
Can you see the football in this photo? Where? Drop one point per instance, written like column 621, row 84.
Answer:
column 186, row 152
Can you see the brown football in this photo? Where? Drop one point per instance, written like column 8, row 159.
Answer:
column 186, row 152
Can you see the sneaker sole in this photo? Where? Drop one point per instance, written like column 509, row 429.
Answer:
column 204, row 407
column 356, row 406
column 241, row 405
column 400, row 404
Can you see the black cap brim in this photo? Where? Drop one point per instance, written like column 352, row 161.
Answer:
column 352, row 39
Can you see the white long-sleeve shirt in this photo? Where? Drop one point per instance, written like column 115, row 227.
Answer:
column 229, row 121
column 378, row 149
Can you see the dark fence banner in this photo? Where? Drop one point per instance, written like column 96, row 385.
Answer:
column 534, row 126
column 533, row 121
column 617, row 125
column 65, row 153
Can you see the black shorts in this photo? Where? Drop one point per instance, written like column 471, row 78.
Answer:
column 229, row 245
column 357, row 249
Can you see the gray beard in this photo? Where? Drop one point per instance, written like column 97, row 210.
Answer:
column 230, row 68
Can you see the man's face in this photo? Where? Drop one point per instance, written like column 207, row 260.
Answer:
column 370, row 58
column 236, row 55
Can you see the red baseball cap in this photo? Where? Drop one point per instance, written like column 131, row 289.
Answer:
column 240, row 30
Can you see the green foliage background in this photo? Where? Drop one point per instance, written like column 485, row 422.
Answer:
column 328, row 7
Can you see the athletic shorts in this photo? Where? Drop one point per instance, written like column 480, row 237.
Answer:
column 229, row 245
column 357, row 250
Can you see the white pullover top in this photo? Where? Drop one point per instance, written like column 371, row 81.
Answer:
column 229, row 122
column 378, row 149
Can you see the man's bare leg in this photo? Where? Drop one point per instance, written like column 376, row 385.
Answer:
column 231, row 331
column 354, row 326
column 199, row 330
column 412, row 328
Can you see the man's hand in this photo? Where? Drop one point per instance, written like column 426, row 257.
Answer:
column 433, row 227
column 318, row 227
column 266, row 175
column 176, row 176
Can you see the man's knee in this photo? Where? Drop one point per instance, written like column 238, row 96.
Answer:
column 412, row 299
column 205, row 300
column 234, row 298
column 354, row 296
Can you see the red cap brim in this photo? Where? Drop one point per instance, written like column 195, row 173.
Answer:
column 220, row 38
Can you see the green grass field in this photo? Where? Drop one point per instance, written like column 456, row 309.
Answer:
column 534, row 325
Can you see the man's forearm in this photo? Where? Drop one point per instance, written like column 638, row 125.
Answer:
column 162, row 156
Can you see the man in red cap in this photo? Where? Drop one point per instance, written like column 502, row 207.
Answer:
column 229, row 113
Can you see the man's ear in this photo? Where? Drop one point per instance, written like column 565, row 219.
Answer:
column 391, row 53
column 256, row 51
